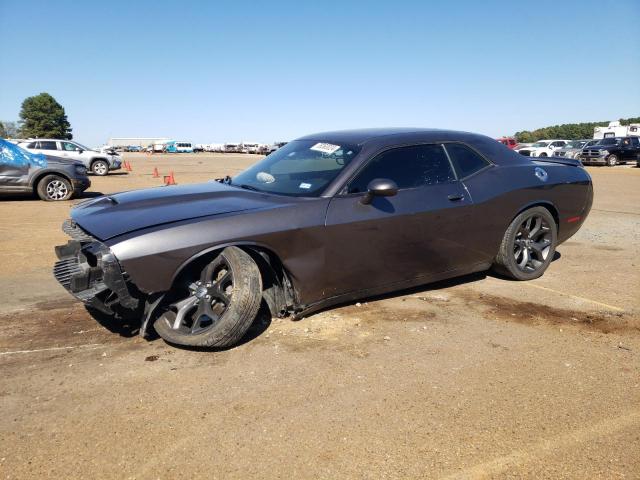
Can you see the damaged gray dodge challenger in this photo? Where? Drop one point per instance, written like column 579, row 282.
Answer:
column 326, row 219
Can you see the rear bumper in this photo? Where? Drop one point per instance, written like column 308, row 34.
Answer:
column 89, row 271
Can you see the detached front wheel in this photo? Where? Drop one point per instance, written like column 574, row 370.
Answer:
column 221, row 305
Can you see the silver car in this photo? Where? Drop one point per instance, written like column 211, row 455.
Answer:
column 574, row 148
column 99, row 163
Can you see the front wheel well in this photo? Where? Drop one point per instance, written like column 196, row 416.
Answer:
column 40, row 176
column 99, row 159
column 277, row 289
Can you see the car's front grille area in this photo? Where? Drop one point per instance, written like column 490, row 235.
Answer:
column 64, row 269
column 591, row 152
column 74, row 231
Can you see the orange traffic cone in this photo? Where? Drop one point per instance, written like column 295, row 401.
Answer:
column 169, row 179
column 156, row 174
column 129, row 167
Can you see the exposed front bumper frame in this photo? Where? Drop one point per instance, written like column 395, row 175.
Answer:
column 91, row 273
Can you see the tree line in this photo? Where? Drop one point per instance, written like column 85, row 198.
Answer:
column 41, row 116
column 568, row 131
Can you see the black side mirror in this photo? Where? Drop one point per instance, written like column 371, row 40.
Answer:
column 379, row 187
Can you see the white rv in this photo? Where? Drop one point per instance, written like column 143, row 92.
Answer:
column 249, row 147
column 614, row 129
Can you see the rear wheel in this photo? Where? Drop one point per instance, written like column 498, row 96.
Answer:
column 221, row 305
column 528, row 245
column 100, row 167
column 612, row 160
column 54, row 188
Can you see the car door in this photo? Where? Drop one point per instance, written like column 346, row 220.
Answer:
column 71, row 151
column 629, row 149
column 420, row 231
column 13, row 175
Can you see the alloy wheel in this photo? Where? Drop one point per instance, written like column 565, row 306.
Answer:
column 57, row 190
column 532, row 243
column 207, row 302
column 100, row 168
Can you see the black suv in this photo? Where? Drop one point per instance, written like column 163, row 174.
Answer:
column 611, row 151
column 52, row 178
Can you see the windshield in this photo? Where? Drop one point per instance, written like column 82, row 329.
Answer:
column 609, row 141
column 540, row 144
column 302, row 168
column 576, row 144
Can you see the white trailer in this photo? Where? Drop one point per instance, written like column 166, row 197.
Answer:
column 614, row 129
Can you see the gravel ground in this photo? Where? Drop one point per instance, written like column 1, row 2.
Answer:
column 477, row 377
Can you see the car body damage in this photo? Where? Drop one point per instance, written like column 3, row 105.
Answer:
column 330, row 234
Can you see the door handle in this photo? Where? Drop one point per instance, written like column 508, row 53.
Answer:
column 455, row 197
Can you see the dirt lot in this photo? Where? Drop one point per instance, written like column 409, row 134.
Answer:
column 474, row 378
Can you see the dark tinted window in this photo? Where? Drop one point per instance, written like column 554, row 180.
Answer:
column 409, row 167
column 47, row 145
column 32, row 145
column 465, row 160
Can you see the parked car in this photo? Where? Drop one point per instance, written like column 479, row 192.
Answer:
column 542, row 148
column 508, row 142
column 326, row 219
column 178, row 147
column 99, row 163
column 133, row 148
column 574, row 148
column 612, row 151
column 51, row 178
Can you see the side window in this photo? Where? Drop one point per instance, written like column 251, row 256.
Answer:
column 32, row 145
column 47, row 145
column 635, row 141
column 465, row 160
column 409, row 167
column 68, row 147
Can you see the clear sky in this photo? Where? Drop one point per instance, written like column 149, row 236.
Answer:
column 216, row 71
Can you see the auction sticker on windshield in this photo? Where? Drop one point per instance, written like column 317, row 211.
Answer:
column 327, row 148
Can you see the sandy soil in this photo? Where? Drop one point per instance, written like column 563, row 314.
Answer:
column 473, row 378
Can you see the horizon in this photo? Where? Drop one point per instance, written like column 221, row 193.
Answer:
column 235, row 72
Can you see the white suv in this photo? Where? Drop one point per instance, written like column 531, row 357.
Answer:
column 97, row 162
column 542, row 148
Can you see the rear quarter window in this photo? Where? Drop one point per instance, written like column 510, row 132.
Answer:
column 465, row 161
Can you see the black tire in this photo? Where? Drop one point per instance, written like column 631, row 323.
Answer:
column 516, row 244
column 54, row 188
column 612, row 160
column 239, row 313
column 100, row 168
column 543, row 155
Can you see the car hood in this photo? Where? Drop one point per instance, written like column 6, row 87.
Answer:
column 112, row 215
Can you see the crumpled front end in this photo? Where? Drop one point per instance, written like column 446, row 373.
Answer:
column 90, row 272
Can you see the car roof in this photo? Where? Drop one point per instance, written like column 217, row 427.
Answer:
column 394, row 135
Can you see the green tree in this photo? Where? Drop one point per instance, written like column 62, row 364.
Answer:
column 42, row 116
column 3, row 132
